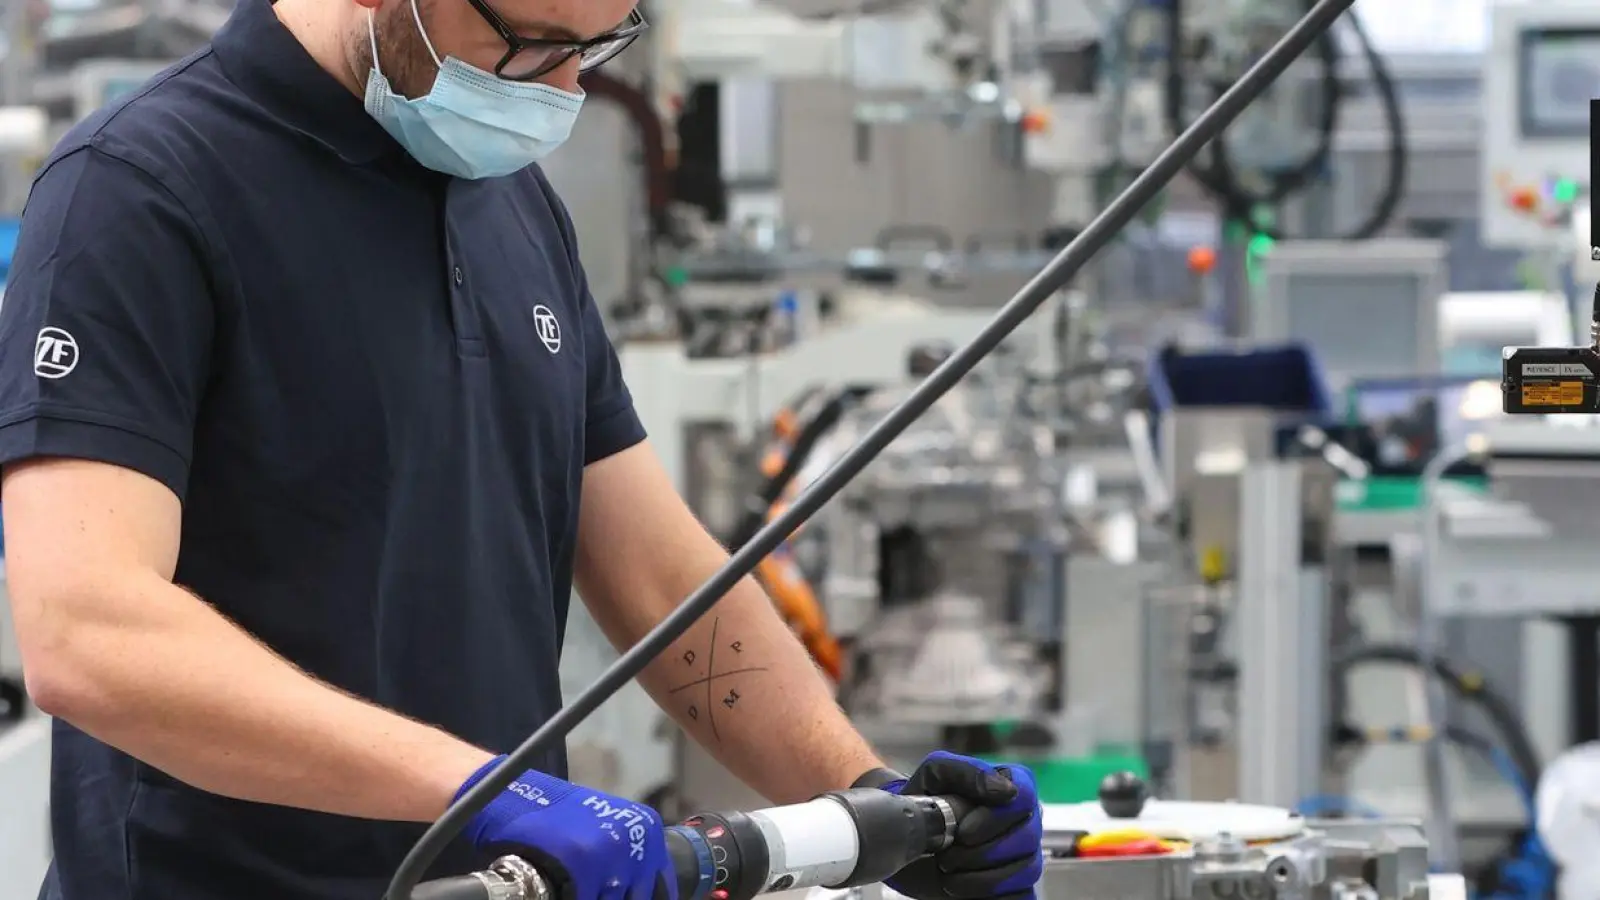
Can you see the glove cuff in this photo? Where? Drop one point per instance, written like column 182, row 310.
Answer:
column 880, row 779
column 477, row 777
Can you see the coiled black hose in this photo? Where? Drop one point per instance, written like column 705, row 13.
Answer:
column 1219, row 179
column 1469, row 686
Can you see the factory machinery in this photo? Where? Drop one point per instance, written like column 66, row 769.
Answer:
column 1082, row 95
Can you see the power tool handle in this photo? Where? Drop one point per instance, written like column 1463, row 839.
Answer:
column 685, row 861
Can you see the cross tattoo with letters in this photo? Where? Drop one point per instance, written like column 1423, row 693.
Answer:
column 711, row 679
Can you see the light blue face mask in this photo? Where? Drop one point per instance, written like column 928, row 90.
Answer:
column 471, row 125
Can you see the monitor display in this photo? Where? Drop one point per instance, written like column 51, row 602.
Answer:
column 1560, row 73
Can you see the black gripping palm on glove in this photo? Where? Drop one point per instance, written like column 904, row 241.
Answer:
column 997, row 853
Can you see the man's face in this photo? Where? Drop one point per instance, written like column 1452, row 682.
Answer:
column 458, row 29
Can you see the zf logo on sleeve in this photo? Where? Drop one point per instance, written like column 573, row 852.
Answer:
column 55, row 354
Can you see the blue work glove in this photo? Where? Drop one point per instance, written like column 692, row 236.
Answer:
column 998, row 851
column 591, row 845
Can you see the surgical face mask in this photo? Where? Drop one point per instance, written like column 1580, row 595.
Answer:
column 471, row 124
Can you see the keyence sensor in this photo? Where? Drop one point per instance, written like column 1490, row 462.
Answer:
column 1554, row 380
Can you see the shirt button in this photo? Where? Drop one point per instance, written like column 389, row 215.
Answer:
column 459, row 276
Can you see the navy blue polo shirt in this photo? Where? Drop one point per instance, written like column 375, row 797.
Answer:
column 375, row 390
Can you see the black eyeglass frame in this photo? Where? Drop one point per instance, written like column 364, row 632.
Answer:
column 622, row 37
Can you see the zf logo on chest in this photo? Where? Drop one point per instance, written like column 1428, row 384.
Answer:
column 548, row 327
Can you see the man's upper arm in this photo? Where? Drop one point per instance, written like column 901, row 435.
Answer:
column 611, row 424
column 106, row 324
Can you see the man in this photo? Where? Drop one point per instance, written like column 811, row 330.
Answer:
column 299, row 382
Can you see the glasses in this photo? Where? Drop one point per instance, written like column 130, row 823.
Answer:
column 529, row 58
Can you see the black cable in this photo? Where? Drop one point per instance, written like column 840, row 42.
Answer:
column 1218, row 177
column 1220, row 180
column 1470, row 688
column 1241, row 202
column 1594, row 320
column 1353, row 736
column 1033, row 295
column 1583, row 636
column 1399, row 155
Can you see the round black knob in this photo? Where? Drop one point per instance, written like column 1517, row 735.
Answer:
column 925, row 358
column 1123, row 794
column 13, row 701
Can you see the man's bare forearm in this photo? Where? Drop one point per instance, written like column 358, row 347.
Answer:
column 738, row 681
column 162, row 676
column 744, row 687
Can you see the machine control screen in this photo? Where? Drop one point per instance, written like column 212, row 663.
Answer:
column 1560, row 74
column 1358, row 324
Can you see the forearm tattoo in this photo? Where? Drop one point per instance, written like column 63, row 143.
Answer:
column 712, row 690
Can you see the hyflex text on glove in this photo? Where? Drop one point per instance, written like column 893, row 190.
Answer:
column 594, row 845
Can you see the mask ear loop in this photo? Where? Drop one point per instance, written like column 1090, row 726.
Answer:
column 416, row 16
column 372, row 40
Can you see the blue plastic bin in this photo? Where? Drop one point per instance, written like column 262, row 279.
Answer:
column 9, row 228
column 1285, row 378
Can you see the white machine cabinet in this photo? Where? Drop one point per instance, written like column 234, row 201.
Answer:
column 1366, row 310
column 1543, row 67
column 24, row 807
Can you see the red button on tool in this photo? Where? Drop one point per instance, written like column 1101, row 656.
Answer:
column 695, row 822
column 719, row 894
column 716, row 831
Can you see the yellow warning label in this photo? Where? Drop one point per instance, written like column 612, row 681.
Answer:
column 1556, row 393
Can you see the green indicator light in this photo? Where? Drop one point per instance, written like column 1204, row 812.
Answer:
column 1258, row 247
column 1565, row 190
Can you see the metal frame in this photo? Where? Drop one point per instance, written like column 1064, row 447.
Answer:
column 1425, row 260
column 1282, row 629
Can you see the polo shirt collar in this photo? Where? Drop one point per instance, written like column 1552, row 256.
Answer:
column 267, row 62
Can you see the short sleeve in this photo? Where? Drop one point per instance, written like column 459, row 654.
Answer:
column 106, row 322
column 611, row 423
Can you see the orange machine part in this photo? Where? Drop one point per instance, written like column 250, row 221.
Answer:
column 798, row 605
column 780, row 575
